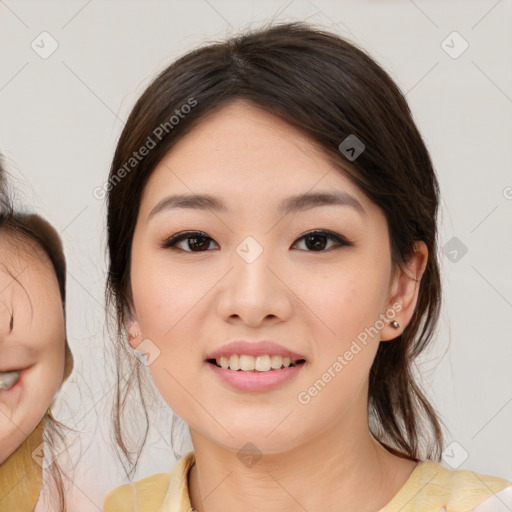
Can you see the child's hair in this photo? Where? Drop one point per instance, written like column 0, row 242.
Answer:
column 22, row 228
column 328, row 89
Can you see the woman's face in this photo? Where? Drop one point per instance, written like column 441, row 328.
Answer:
column 32, row 339
column 253, row 275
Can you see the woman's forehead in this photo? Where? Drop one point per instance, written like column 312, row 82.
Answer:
column 242, row 150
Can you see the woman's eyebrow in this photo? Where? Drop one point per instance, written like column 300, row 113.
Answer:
column 300, row 202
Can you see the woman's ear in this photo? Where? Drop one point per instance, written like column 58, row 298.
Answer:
column 131, row 322
column 404, row 292
column 134, row 332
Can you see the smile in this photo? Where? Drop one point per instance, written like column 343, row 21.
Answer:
column 9, row 379
column 254, row 380
column 261, row 363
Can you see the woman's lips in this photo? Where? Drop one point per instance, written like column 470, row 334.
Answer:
column 254, row 348
column 255, row 380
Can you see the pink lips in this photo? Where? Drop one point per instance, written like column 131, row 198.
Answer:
column 259, row 348
column 255, row 380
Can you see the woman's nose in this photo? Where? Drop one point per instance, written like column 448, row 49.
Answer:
column 253, row 289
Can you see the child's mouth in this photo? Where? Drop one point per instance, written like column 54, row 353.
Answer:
column 9, row 379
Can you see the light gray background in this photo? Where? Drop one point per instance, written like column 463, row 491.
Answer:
column 60, row 118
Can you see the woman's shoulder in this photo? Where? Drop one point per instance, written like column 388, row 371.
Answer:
column 433, row 487
column 148, row 494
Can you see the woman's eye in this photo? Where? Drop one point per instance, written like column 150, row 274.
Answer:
column 316, row 241
column 193, row 241
column 197, row 241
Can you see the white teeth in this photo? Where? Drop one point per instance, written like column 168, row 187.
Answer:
column 262, row 363
column 9, row 379
column 234, row 362
column 248, row 363
column 276, row 362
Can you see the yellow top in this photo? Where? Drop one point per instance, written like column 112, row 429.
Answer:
column 430, row 488
column 21, row 475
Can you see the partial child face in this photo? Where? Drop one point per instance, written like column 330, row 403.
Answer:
column 32, row 339
column 253, row 273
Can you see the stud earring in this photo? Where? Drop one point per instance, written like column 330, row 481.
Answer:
column 395, row 324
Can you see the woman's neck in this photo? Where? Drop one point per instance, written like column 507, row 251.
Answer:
column 329, row 473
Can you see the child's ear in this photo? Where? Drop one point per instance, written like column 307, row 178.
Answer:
column 404, row 292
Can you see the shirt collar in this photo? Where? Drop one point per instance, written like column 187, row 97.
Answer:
column 177, row 498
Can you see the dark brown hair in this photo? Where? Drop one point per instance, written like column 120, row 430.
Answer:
column 22, row 228
column 328, row 89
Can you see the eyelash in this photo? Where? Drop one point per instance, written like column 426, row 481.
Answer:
column 170, row 243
